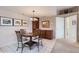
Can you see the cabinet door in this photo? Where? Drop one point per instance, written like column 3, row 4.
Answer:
column 49, row 34
column 35, row 25
column 43, row 34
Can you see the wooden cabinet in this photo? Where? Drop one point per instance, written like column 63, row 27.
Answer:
column 69, row 10
column 35, row 25
column 47, row 34
column 42, row 33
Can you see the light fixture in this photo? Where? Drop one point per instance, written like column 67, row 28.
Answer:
column 33, row 14
column 34, row 18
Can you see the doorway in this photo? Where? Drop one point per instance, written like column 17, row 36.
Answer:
column 59, row 27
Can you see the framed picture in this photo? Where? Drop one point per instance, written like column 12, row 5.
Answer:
column 73, row 22
column 17, row 22
column 45, row 24
column 6, row 21
column 24, row 22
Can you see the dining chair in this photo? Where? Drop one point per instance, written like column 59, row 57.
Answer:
column 21, row 43
column 37, row 35
column 22, row 31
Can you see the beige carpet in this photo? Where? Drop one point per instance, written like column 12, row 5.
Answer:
column 63, row 46
column 47, row 47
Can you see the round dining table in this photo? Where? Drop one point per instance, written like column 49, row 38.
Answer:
column 30, row 43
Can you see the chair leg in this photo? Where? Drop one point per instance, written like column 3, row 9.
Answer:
column 38, row 47
column 30, row 47
column 17, row 47
column 22, row 48
column 41, row 43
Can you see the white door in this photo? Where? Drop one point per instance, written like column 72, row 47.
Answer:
column 59, row 27
column 71, row 28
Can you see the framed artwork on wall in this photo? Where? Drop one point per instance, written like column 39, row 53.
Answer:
column 6, row 21
column 45, row 24
column 74, row 22
column 17, row 22
column 24, row 23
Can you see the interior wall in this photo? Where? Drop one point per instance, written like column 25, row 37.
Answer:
column 7, row 33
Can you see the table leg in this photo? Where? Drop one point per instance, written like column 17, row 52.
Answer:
column 30, row 42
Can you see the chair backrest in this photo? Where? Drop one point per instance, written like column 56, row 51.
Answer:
column 37, row 32
column 18, row 36
column 22, row 31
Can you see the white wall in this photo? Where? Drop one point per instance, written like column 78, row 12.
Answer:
column 7, row 33
column 8, row 13
column 59, row 27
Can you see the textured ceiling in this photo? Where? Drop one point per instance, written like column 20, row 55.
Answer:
column 39, row 10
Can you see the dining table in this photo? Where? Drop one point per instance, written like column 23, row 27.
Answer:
column 30, row 43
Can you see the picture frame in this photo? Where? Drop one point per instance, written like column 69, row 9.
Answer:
column 24, row 23
column 6, row 21
column 17, row 22
column 73, row 22
column 45, row 24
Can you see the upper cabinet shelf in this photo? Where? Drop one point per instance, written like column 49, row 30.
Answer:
column 69, row 10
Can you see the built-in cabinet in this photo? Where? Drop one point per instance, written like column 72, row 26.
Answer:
column 68, row 10
column 47, row 34
column 35, row 25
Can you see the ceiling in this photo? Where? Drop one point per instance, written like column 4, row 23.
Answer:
column 39, row 10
